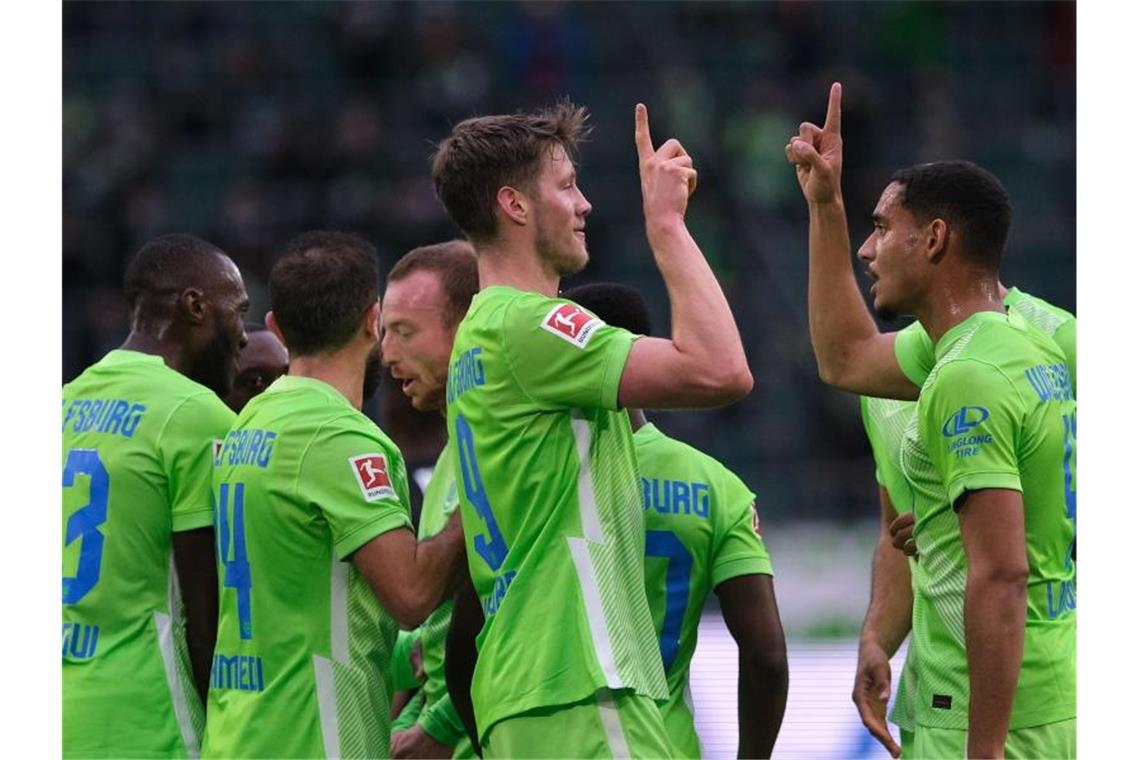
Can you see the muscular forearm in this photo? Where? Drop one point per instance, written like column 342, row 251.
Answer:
column 995, row 637
column 704, row 331
column 888, row 617
column 440, row 565
column 762, row 694
column 837, row 317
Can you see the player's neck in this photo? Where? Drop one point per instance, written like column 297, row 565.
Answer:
column 954, row 300
column 343, row 370
column 515, row 266
column 173, row 354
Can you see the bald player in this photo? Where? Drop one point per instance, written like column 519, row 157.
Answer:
column 263, row 360
column 139, row 430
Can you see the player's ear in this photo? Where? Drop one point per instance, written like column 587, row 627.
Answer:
column 513, row 204
column 937, row 239
column 372, row 321
column 271, row 323
column 192, row 303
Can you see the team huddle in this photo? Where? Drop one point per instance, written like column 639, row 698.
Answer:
column 242, row 577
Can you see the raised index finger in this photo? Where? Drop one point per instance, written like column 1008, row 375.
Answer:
column 641, row 132
column 833, row 108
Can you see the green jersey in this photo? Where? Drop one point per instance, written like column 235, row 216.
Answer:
column 438, row 717
column 886, row 422
column 138, row 440
column 701, row 529
column 997, row 411
column 301, row 662
column 915, row 351
column 550, row 506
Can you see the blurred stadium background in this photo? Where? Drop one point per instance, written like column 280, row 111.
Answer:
column 246, row 123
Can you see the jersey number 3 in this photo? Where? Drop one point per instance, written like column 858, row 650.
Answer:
column 84, row 522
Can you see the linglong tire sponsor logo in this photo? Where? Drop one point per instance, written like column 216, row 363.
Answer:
column 964, row 420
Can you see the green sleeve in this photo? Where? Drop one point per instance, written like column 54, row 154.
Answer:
column 187, row 446
column 562, row 356
column 872, row 437
column 410, row 714
column 970, row 421
column 1066, row 338
column 442, row 723
column 738, row 548
column 330, row 480
column 914, row 351
column 403, row 675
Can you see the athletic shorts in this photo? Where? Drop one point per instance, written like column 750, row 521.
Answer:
column 610, row 724
column 1055, row 741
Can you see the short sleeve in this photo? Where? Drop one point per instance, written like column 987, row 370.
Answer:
column 187, row 444
column 562, row 356
column 738, row 548
column 1066, row 339
column 914, row 351
column 359, row 484
column 442, row 722
column 970, row 421
column 873, row 437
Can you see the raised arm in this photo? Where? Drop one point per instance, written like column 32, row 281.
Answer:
column 885, row 625
column 703, row 363
column 411, row 577
column 850, row 351
column 748, row 603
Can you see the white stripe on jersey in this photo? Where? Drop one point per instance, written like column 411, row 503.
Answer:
column 588, row 582
column 326, row 704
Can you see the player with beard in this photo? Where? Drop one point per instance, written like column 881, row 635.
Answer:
column 263, row 360
column 568, row 663
column 988, row 460
column 428, row 292
column 317, row 560
column 139, row 428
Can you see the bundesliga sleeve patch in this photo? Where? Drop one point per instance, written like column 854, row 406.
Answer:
column 218, row 444
column 371, row 472
column 571, row 323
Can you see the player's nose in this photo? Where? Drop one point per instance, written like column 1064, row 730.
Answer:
column 867, row 250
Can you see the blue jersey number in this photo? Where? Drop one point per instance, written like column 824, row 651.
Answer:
column 664, row 543
column 84, row 522
column 1070, row 488
column 491, row 547
column 232, row 533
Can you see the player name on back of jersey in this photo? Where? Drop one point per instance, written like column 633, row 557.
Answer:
column 241, row 672
column 110, row 416
column 676, row 497
column 79, row 641
column 1051, row 382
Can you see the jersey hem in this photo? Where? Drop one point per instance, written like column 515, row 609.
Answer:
column 367, row 532
column 1017, row 722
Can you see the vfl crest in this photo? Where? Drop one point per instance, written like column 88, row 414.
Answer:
column 571, row 323
column 372, row 476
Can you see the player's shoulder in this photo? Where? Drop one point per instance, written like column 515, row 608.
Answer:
column 654, row 448
column 1039, row 312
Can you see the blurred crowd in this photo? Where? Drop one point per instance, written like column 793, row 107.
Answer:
column 248, row 122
